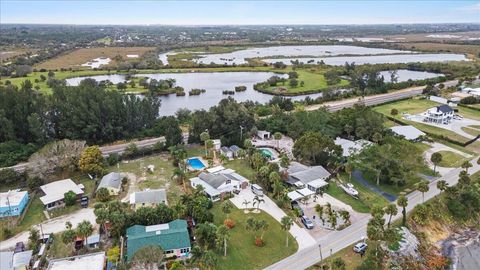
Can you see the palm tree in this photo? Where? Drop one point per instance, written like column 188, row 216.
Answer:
column 180, row 175
column 349, row 169
column 319, row 210
column 210, row 146
column 209, row 260
column 246, row 203
column 277, row 136
column 391, row 210
column 286, row 223
column 284, row 161
column 84, row 230
column 257, row 200
column 466, row 165
column 403, row 202
column 223, row 235
column 226, row 208
column 262, row 225
column 223, row 158
column 442, row 185
column 436, row 158
column 241, row 154
column 204, row 137
column 423, row 187
column 197, row 253
column 345, row 215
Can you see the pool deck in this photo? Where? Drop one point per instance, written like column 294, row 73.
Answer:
column 190, row 168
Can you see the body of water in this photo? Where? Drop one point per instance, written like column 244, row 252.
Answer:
column 376, row 59
column 404, row 75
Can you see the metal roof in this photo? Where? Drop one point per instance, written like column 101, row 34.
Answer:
column 149, row 196
column 113, row 180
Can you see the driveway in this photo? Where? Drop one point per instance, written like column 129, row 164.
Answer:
column 435, row 147
column 55, row 225
column 304, row 239
column 359, row 177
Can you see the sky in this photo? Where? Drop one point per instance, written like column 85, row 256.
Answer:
column 237, row 12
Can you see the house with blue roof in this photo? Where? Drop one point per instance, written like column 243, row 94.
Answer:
column 12, row 203
column 172, row 237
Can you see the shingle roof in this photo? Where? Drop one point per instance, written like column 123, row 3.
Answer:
column 113, row 180
column 444, row 108
column 149, row 196
column 234, row 148
column 214, row 180
column 169, row 236
column 311, row 174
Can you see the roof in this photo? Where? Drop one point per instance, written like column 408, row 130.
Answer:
column 21, row 259
column 296, row 167
column 93, row 239
column 55, row 191
column 214, row 180
column 225, row 149
column 294, row 195
column 211, row 191
column 215, row 169
column 444, row 108
column 409, row 132
column 305, row 192
column 149, row 196
column 112, row 180
column 169, row 236
column 350, row 147
column 310, row 174
column 12, row 197
column 6, row 260
column 92, row 261
column 318, row 183
column 234, row 148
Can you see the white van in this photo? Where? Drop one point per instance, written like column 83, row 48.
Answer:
column 257, row 190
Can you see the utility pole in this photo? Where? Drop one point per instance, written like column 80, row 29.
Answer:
column 241, row 133
column 321, row 257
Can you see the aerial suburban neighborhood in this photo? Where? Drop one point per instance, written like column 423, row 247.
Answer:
column 231, row 135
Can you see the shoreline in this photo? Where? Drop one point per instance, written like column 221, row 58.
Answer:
column 463, row 249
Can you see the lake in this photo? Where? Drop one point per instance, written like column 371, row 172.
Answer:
column 213, row 82
column 238, row 57
column 376, row 59
column 404, row 75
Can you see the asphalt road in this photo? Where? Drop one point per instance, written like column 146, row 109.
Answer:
column 339, row 240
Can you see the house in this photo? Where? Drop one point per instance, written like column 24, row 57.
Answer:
column 55, row 192
column 13, row 202
column 263, row 134
column 307, row 178
column 148, row 198
column 472, row 91
column 410, row 133
column 442, row 114
column 351, row 147
column 235, row 150
column 92, row 261
column 226, row 151
column 112, row 182
column 219, row 181
column 172, row 237
column 217, row 144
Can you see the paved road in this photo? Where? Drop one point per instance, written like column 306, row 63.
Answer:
column 339, row 240
column 54, row 225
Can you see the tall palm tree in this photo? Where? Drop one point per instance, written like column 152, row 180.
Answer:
column 180, row 174
column 423, row 187
column 226, row 208
column 391, row 210
column 85, row 229
column 223, row 235
column 209, row 260
column 257, row 200
column 277, row 136
column 402, row 201
column 262, row 225
column 466, row 165
column 286, row 223
column 246, row 203
column 319, row 210
column 204, row 137
column 442, row 185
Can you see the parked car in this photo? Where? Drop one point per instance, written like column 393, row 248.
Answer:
column 307, row 222
column 84, row 201
column 257, row 190
column 295, row 205
column 360, row 247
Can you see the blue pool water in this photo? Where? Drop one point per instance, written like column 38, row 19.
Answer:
column 195, row 163
column 267, row 153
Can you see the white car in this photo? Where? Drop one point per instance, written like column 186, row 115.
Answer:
column 360, row 247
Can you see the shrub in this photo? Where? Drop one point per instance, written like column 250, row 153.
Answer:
column 258, row 242
column 70, row 198
column 103, row 194
column 229, row 223
column 394, row 111
column 112, row 159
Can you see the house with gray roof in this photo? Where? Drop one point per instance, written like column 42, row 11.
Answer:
column 112, row 182
column 311, row 177
column 226, row 151
column 442, row 114
column 410, row 133
column 148, row 198
column 219, row 182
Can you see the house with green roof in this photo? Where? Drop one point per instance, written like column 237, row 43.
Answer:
column 172, row 237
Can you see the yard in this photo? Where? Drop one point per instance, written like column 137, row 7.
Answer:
column 242, row 252
column 469, row 113
column 451, row 159
column 242, row 167
column 352, row 260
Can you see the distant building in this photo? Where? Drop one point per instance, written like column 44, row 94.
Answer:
column 410, row 133
column 13, row 202
column 218, row 182
column 92, row 261
column 112, row 182
column 471, row 91
column 55, row 192
column 235, row 149
column 442, row 114
column 172, row 237
column 263, row 134
column 217, row 144
column 351, row 147
column 226, row 151
column 148, row 198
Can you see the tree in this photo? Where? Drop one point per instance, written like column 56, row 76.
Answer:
column 113, row 254
column 131, row 150
column 147, row 257
column 102, row 194
column 287, row 223
column 223, row 235
column 256, row 201
column 263, row 226
column 319, row 210
column 84, row 230
column 246, row 203
column 423, row 187
column 284, row 161
column 209, row 260
column 227, row 208
column 466, row 164
column 70, row 198
column 316, row 148
column 33, row 239
column 436, row 158
column 349, row 170
column 277, row 136
column 205, row 234
column 34, row 182
column 394, row 111
column 293, row 83
column 390, row 210
column 442, row 185
column 205, row 137
column 68, row 235
column 402, row 201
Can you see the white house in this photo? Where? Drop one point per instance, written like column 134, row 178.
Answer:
column 55, row 192
column 148, row 198
column 219, row 182
column 217, row 144
column 442, row 114
column 472, row 91
column 312, row 178
column 226, row 151
column 410, row 133
column 91, row 261
column 112, row 182
column 351, row 147
column 263, row 134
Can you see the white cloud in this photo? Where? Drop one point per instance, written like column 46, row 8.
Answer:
column 475, row 8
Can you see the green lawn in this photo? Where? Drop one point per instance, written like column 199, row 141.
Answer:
column 242, row 167
column 471, row 131
column 451, row 159
column 367, row 198
column 242, row 252
column 469, row 113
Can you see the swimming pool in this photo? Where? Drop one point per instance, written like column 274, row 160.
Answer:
column 195, row 163
column 267, row 153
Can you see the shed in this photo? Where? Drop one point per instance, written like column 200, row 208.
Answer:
column 410, row 133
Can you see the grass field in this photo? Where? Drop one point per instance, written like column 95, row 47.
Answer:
column 241, row 250
column 367, row 198
column 451, row 159
column 469, row 113
column 471, row 131
column 75, row 58
column 242, row 167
